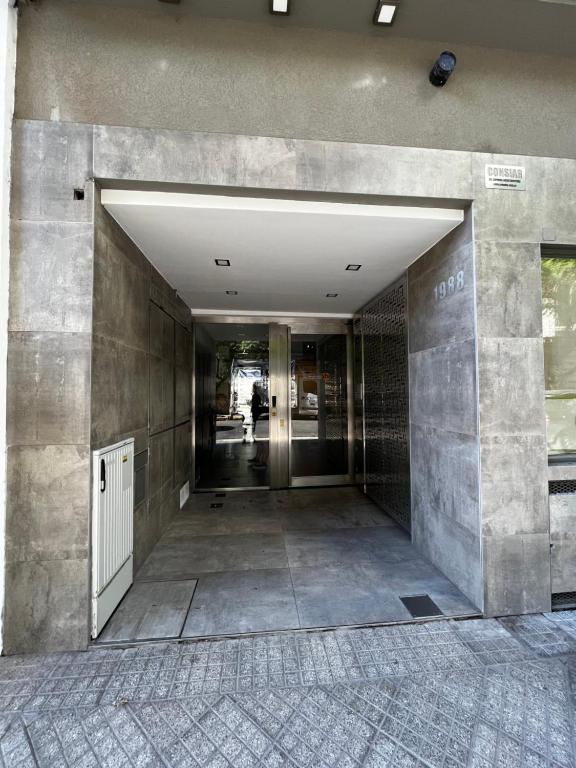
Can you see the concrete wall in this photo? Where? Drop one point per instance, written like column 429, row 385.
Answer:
column 48, row 430
column 509, row 228
column 123, row 66
column 50, row 337
column 79, row 379
column 8, row 27
column 444, row 438
column 141, row 373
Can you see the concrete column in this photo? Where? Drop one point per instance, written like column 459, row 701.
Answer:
column 513, row 456
column 48, row 397
column 8, row 25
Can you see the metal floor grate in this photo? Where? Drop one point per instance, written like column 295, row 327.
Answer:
column 421, row 606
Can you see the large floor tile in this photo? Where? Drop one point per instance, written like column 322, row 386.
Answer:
column 224, row 521
column 250, row 601
column 347, row 546
column 343, row 595
column 150, row 610
column 189, row 556
column 334, row 517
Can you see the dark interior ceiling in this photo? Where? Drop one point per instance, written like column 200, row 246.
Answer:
column 539, row 26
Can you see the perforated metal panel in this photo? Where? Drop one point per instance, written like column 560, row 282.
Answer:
column 562, row 486
column 562, row 600
column 386, row 435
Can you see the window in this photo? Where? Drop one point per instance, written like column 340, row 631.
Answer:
column 559, row 330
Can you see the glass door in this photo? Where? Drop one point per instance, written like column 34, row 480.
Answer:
column 272, row 405
column 231, row 397
column 320, row 445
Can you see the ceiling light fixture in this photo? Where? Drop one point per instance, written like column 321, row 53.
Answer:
column 222, row 262
column 331, row 295
column 280, row 7
column 232, row 293
column 385, row 13
column 353, row 267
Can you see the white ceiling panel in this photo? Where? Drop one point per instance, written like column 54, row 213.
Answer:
column 285, row 255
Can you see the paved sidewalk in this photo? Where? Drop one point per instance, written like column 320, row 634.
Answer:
column 472, row 693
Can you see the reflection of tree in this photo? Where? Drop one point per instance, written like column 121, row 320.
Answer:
column 559, row 308
column 227, row 351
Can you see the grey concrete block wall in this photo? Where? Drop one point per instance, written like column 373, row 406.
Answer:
column 47, row 526
column 134, row 370
column 515, row 514
column 445, row 466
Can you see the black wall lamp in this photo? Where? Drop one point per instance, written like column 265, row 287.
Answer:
column 280, row 7
column 385, row 13
column 443, row 67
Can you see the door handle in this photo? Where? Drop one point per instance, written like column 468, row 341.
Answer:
column 102, row 475
column 273, row 401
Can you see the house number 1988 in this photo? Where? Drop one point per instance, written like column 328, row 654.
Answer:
column 449, row 287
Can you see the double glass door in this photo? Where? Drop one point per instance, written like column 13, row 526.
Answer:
column 272, row 404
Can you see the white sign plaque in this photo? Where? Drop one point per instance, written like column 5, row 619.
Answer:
column 506, row 177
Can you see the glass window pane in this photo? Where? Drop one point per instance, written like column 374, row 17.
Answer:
column 559, row 330
column 318, row 403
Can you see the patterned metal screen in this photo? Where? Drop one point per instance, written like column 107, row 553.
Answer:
column 385, row 353
column 562, row 486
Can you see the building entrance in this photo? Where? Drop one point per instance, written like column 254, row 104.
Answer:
column 273, row 404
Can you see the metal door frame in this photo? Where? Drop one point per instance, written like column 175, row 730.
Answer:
column 280, row 330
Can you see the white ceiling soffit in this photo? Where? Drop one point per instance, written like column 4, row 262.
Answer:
column 285, row 255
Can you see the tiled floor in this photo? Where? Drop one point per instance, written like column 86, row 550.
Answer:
column 447, row 694
column 293, row 559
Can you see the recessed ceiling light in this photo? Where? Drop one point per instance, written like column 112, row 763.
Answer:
column 353, row 267
column 280, row 7
column 331, row 295
column 222, row 262
column 385, row 12
column 232, row 293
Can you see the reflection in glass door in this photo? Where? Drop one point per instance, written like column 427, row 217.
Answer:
column 231, row 405
column 319, row 408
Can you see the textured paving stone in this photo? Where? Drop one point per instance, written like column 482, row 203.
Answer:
column 441, row 719
column 442, row 694
column 542, row 636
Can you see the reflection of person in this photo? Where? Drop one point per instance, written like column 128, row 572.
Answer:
column 257, row 410
column 255, row 407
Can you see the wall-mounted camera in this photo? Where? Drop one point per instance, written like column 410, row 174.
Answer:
column 443, row 67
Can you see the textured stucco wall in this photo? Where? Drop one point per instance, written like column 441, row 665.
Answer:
column 119, row 66
column 141, row 373
column 444, row 441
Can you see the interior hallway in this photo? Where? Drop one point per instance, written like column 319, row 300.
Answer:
column 254, row 561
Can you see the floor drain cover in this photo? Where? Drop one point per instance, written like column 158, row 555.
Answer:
column 216, row 506
column 421, row 606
